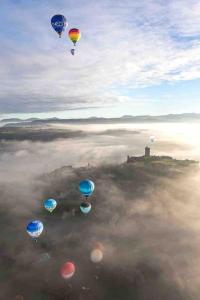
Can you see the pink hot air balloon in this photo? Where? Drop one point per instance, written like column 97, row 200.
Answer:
column 67, row 270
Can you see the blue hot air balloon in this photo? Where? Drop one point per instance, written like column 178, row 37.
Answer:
column 59, row 23
column 86, row 187
column 85, row 207
column 35, row 228
column 50, row 204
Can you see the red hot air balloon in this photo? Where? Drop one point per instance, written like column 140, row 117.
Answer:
column 67, row 270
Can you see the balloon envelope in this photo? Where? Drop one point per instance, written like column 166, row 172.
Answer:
column 96, row 255
column 74, row 35
column 35, row 228
column 50, row 204
column 152, row 139
column 85, row 207
column 86, row 187
column 59, row 23
column 67, row 270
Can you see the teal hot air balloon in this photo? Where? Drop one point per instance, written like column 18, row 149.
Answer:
column 85, row 207
column 35, row 228
column 86, row 187
column 50, row 204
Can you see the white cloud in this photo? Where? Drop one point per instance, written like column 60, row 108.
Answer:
column 129, row 44
column 184, row 16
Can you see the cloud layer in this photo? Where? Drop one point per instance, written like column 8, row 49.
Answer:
column 147, row 219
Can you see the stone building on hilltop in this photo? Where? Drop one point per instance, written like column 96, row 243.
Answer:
column 147, row 154
column 131, row 159
column 147, row 151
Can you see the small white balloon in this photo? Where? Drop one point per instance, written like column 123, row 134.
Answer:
column 96, row 255
column 152, row 139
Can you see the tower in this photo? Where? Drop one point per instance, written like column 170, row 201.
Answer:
column 147, row 151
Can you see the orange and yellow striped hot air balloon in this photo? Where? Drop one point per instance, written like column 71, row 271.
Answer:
column 74, row 35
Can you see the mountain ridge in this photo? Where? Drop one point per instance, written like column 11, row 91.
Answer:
column 184, row 117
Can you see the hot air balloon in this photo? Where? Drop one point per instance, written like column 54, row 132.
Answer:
column 85, row 207
column 59, row 23
column 50, row 204
column 72, row 51
column 86, row 187
column 35, row 228
column 74, row 35
column 96, row 255
column 152, row 139
column 67, row 270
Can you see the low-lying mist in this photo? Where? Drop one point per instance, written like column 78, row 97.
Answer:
column 146, row 216
column 94, row 144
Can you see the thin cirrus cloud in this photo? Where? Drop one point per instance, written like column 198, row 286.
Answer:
column 124, row 45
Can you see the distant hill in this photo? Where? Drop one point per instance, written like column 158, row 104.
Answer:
column 129, row 177
column 17, row 133
column 190, row 117
column 159, row 160
column 31, row 119
column 185, row 117
column 11, row 120
column 16, row 120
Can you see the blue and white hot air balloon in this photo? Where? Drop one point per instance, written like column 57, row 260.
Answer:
column 59, row 22
column 85, row 207
column 86, row 187
column 50, row 204
column 35, row 228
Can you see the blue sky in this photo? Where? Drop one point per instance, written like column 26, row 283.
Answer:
column 134, row 57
